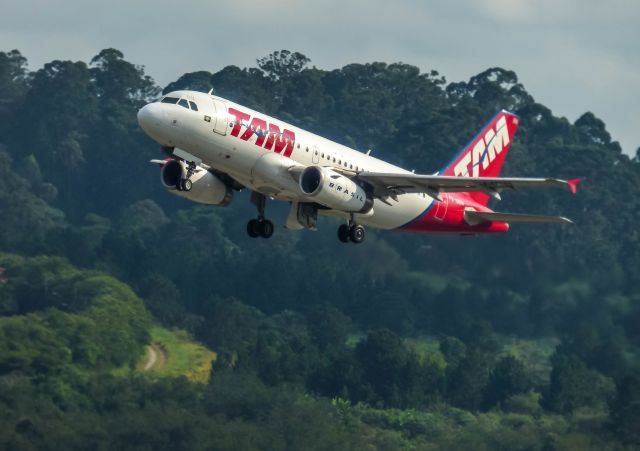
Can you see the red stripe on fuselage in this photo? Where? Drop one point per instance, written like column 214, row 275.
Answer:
column 448, row 217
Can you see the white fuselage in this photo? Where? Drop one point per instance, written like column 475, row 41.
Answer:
column 234, row 139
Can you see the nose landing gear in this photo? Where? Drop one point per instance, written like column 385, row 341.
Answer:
column 185, row 184
column 260, row 227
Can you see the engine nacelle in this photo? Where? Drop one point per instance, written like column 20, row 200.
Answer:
column 331, row 189
column 206, row 188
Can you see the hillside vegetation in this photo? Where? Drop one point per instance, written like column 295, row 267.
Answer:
column 524, row 341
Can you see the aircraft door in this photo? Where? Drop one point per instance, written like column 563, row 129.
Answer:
column 221, row 117
column 441, row 207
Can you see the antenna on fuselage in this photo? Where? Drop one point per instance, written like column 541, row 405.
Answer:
column 369, row 152
column 210, row 91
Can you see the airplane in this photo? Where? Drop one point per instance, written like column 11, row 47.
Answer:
column 214, row 147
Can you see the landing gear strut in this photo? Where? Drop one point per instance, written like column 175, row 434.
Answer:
column 185, row 184
column 351, row 232
column 260, row 227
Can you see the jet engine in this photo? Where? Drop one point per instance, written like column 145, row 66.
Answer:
column 332, row 189
column 202, row 186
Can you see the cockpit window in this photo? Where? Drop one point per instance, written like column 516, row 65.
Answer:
column 193, row 106
column 169, row 100
column 184, row 103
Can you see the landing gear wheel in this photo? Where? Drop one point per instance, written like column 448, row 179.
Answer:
column 179, row 185
column 343, row 233
column 259, row 227
column 266, row 228
column 254, row 228
column 357, row 234
column 187, row 184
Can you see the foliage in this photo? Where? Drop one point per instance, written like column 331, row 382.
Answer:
column 63, row 316
column 75, row 186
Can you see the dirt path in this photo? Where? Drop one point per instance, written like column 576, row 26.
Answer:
column 157, row 357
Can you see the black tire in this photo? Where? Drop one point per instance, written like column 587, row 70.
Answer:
column 187, row 184
column 343, row 233
column 266, row 229
column 254, row 228
column 357, row 234
column 179, row 185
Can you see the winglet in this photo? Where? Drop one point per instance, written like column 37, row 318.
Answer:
column 573, row 184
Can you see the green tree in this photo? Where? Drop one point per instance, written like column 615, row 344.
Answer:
column 330, row 327
column 282, row 64
column 625, row 409
column 453, row 350
column 573, row 385
column 119, row 81
column 509, row 377
column 384, row 359
column 465, row 385
column 193, row 81
column 13, row 88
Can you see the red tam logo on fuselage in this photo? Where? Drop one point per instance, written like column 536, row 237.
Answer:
column 269, row 135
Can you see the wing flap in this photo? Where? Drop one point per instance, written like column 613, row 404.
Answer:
column 478, row 217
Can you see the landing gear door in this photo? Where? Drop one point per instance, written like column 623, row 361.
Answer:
column 221, row 117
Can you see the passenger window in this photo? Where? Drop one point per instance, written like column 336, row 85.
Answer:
column 193, row 106
column 184, row 103
column 170, row 100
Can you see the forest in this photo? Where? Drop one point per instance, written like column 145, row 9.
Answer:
column 528, row 340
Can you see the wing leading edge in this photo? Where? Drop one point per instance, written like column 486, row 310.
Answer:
column 390, row 184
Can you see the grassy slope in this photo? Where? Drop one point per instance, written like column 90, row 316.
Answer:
column 178, row 354
column 183, row 356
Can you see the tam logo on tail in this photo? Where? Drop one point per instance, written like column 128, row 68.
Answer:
column 484, row 155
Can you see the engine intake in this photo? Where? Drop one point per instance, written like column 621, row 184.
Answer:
column 331, row 189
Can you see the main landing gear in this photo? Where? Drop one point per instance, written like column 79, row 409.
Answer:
column 260, row 227
column 185, row 184
column 351, row 232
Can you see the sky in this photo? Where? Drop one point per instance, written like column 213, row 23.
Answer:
column 571, row 55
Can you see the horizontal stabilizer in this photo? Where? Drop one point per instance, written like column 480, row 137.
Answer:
column 478, row 217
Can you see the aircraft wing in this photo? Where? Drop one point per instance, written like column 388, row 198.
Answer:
column 392, row 184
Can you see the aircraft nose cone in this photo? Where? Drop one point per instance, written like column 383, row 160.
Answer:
column 145, row 117
column 151, row 118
